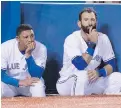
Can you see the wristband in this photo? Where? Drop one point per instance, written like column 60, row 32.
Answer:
column 102, row 72
column 90, row 51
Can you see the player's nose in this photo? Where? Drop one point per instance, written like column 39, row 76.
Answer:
column 89, row 22
column 30, row 39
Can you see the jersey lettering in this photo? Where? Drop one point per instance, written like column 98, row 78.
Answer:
column 14, row 66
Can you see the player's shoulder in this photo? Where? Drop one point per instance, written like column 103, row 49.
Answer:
column 102, row 35
column 8, row 43
column 40, row 46
column 73, row 36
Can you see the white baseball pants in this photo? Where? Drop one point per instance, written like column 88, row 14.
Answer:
column 78, row 84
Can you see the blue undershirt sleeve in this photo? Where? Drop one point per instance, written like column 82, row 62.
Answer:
column 102, row 72
column 34, row 70
column 112, row 62
column 8, row 80
column 91, row 48
column 79, row 62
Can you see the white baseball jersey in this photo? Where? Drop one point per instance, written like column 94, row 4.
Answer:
column 75, row 45
column 14, row 61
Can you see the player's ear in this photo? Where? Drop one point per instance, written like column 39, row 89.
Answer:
column 17, row 38
column 79, row 23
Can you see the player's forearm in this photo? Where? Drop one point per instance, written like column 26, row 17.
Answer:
column 81, row 62
column 110, row 66
column 34, row 70
column 87, row 57
column 108, row 69
column 105, row 71
column 8, row 80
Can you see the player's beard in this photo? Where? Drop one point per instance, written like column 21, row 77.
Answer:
column 86, row 28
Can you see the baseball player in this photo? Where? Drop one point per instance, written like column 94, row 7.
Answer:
column 22, row 64
column 89, row 61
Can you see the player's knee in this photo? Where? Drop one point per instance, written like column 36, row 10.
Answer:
column 6, row 93
column 64, row 86
column 2, row 93
column 59, row 90
column 115, row 77
column 38, row 89
column 63, row 91
column 39, row 84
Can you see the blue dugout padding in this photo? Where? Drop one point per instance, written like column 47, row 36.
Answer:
column 52, row 23
column 10, row 19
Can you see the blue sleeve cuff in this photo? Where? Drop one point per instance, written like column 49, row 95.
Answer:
column 90, row 51
column 79, row 63
column 102, row 72
column 91, row 47
column 29, row 60
column 9, row 80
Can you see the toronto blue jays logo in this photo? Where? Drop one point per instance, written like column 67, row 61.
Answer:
column 97, row 58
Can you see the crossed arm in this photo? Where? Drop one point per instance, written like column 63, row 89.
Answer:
column 81, row 62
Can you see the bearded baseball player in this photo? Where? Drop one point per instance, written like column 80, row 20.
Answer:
column 22, row 64
column 85, row 51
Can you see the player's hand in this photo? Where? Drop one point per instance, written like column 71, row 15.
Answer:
column 93, row 35
column 28, row 81
column 30, row 47
column 92, row 75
